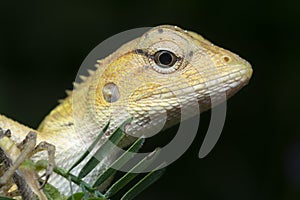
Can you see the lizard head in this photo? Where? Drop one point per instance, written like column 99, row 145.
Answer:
column 165, row 68
column 167, row 65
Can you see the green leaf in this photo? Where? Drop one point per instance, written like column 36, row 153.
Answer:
column 118, row 163
column 64, row 173
column 41, row 165
column 129, row 176
column 76, row 196
column 90, row 192
column 143, row 184
column 52, row 193
column 115, row 138
column 5, row 198
column 90, row 148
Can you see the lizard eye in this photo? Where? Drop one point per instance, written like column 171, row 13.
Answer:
column 165, row 59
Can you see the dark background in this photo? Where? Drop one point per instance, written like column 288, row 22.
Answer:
column 258, row 156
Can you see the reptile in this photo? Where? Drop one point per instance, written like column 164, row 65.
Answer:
column 153, row 74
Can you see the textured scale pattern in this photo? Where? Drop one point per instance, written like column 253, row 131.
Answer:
column 147, row 92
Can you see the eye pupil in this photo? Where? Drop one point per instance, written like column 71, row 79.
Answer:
column 165, row 58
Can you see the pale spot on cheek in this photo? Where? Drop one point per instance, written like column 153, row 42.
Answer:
column 111, row 92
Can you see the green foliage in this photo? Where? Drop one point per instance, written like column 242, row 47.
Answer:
column 52, row 193
column 5, row 198
column 90, row 192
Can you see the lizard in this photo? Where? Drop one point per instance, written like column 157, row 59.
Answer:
column 157, row 72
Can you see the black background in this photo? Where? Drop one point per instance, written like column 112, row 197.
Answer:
column 42, row 45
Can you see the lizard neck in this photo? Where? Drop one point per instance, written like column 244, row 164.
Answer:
column 75, row 118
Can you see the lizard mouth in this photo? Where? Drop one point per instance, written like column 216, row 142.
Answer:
column 229, row 83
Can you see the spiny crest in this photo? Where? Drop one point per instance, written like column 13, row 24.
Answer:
column 75, row 85
column 60, row 101
column 68, row 92
column 99, row 63
column 90, row 72
column 82, row 77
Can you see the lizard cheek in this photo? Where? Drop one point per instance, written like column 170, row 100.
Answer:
column 111, row 92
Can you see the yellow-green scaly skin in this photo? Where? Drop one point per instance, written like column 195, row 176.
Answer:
column 202, row 69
